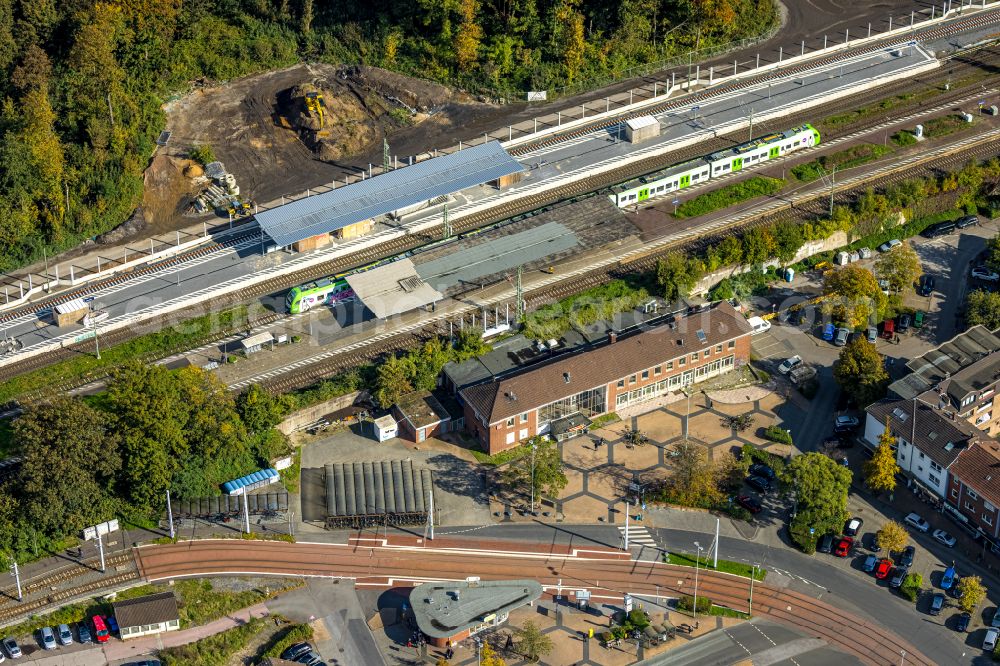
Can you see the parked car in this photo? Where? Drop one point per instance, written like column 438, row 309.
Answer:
column 845, row 424
column 937, row 603
column 802, row 374
column 296, row 650
column 825, row 544
column 939, row 229
column 759, row 483
column 918, row 319
column 65, row 635
column 966, row 222
column 101, row 633
column 47, row 638
column 985, row 274
column 758, row 325
column 749, row 503
column 789, row 363
column 890, row 245
column 926, row 286
column 872, row 334
column 914, row 520
column 898, row 574
column 112, row 624
column 828, row 332
column 962, row 623
column 869, row 565
column 888, row 329
column 906, row 557
column 838, row 441
column 883, row 568
column 83, row 633
column 853, row 526
column 843, row 335
column 943, row 537
column 844, row 546
column 12, row 648
column 990, row 640
column 903, row 324
column 760, row 469
column 948, row 578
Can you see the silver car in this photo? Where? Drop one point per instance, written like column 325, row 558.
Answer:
column 65, row 635
column 842, row 335
column 48, row 638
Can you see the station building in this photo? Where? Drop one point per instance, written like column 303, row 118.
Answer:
column 626, row 368
column 450, row 612
column 351, row 211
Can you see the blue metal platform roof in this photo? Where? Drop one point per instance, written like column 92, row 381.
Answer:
column 387, row 192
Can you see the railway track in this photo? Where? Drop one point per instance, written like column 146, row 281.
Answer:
column 982, row 58
column 798, row 209
column 11, row 609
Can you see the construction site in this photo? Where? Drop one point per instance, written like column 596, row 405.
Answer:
column 289, row 130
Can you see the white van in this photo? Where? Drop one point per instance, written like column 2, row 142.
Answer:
column 758, row 325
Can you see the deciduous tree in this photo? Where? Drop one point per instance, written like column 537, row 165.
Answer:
column 393, row 379
column 970, row 593
column 545, row 466
column 677, row 275
column 259, row 409
column 892, row 537
column 983, row 308
column 820, row 486
column 853, row 295
column 900, row 268
column 693, row 480
column 489, row 657
column 860, row 372
column 531, row 643
column 880, row 471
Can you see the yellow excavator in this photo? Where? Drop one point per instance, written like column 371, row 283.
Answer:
column 315, row 104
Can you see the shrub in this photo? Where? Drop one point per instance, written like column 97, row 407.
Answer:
column 777, row 434
column 287, row 637
column 729, row 195
column 911, row 586
column 202, row 154
column 686, row 603
column 904, row 138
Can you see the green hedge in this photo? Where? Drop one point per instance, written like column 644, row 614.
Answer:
column 758, row 186
column 777, row 434
column 287, row 637
column 686, row 603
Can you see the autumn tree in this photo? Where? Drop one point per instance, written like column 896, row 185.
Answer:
column 488, row 656
column 820, row 486
column 540, row 467
column 880, row 471
column 900, row 267
column 983, row 308
column 892, row 537
column 468, row 36
column 853, row 295
column 971, row 593
column 531, row 643
column 693, row 480
column 677, row 275
column 393, row 379
column 860, row 372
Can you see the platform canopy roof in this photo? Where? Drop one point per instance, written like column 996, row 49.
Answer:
column 387, row 192
column 392, row 289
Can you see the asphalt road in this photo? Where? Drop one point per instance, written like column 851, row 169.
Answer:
column 818, row 576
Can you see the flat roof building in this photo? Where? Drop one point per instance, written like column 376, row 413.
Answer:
column 595, row 379
column 450, row 612
column 388, row 192
column 421, row 415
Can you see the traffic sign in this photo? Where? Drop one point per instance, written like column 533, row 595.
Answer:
column 676, row 201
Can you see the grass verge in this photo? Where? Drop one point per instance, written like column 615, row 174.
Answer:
column 199, row 602
column 501, row 458
column 83, row 368
column 604, row 419
column 726, row 566
column 213, row 650
column 729, row 195
column 844, row 159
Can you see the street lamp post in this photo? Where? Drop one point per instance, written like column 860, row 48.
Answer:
column 753, row 574
column 697, row 559
column 533, row 446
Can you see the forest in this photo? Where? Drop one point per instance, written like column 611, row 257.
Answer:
column 83, row 83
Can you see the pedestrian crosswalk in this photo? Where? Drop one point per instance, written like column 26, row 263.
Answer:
column 637, row 536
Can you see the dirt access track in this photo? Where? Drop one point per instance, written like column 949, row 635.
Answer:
column 255, row 127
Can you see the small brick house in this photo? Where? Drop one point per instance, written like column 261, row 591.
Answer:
column 974, row 487
column 625, row 369
column 420, row 415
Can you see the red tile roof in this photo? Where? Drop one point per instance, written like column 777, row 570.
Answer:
column 592, row 367
column 978, row 467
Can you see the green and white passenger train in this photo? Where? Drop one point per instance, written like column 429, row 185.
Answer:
column 681, row 176
column 320, row 292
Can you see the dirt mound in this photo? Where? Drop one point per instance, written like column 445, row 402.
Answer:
column 352, row 109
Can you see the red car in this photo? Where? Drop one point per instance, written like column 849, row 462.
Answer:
column 883, row 568
column 844, row 546
column 749, row 503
